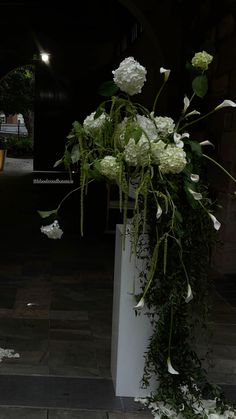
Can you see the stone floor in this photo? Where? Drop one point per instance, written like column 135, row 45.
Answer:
column 27, row 413
column 56, row 305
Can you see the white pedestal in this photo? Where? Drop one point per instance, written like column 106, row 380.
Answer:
column 130, row 333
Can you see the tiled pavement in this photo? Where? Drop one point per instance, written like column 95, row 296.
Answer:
column 55, row 311
column 24, row 413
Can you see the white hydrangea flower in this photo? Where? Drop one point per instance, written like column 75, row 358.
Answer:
column 53, row 231
column 172, row 159
column 148, row 127
column 90, row 124
column 110, row 167
column 165, row 126
column 137, row 154
column 201, row 60
column 131, row 153
column 130, row 76
column 8, row 353
column 156, row 151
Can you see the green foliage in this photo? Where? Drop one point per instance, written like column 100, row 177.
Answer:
column 200, row 85
column 16, row 91
column 19, row 147
column 108, row 88
column 17, row 94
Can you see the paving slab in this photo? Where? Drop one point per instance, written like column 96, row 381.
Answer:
column 70, row 414
column 138, row 415
column 21, row 413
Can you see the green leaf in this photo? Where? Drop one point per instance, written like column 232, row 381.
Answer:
column 196, row 147
column 58, row 162
column 178, row 217
column 189, row 66
column 194, row 204
column 45, row 214
column 67, row 158
column 78, row 129
column 200, row 85
column 108, row 88
column 100, row 110
column 75, row 153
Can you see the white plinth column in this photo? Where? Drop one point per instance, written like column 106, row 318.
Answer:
column 130, row 333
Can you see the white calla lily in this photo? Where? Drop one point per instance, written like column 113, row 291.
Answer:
column 189, row 294
column 194, row 177
column 166, row 72
column 185, row 135
column 197, row 195
column 159, row 212
column 178, row 139
column 180, row 144
column 186, row 103
column 140, row 304
column 216, row 223
column 171, row 370
column 206, row 143
column 192, row 113
column 226, row 103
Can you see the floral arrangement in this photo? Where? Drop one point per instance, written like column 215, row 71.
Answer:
column 125, row 143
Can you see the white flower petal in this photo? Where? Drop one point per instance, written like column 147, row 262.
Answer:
column 179, row 144
column 194, row 177
column 216, row 223
column 225, row 104
column 166, row 72
column 159, row 212
column 192, row 113
column 177, row 137
column 185, row 135
column 197, row 196
column 53, row 231
column 189, row 294
column 186, row 103
column 130, row 76
column 140, row 304
column 171, row 370
column 206, row 143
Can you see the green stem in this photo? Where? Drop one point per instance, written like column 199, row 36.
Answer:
column 153, row 266
column 221, row 167
column 71, row 192
column 157, row 96
column 197, row 120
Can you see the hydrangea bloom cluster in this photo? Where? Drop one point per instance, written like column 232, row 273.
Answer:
column 137, row 154
column 148, row 126
column 201, row 60
column 91, row 124
column 53, row 231
column 110, row 167
column 164, row 125
column 130, row 76
column 172, row 159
